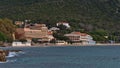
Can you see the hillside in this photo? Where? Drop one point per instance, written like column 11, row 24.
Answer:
column 88, row 14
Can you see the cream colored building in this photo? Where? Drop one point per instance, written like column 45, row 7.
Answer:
column 17, row 44
column 39, row 31
column 82, row 38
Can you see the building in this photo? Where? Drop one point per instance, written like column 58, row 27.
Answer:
column 81, row 38
column 19, row 23
column 33, row 31
column 21, row 44
column 61, row 42
column 50, row 35
column 20, row 33
column 63, row 23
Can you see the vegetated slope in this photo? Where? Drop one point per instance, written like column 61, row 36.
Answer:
column 87, row 14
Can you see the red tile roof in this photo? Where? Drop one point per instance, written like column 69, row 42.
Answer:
column 78, row 33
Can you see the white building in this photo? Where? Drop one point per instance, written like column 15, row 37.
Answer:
column 63, row 23
column 82, row 38
column 18, row 44
column 60, row 42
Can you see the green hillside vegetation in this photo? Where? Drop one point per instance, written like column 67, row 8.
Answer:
column 84, row 15
column 90, row 14
column 6, row 30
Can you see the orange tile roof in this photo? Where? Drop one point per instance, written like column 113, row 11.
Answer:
column 78, row 33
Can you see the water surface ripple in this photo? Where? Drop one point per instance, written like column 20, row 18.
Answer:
column 65, row 57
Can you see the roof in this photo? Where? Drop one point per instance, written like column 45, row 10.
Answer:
column 54, row 28
column 35, row 26
column 77, row 34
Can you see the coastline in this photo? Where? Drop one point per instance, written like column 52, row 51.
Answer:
column 65, row 45
column 56, row 45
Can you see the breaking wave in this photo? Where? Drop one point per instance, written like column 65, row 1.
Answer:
column 12, row 54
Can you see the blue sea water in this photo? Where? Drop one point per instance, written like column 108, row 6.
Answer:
column 64, row 57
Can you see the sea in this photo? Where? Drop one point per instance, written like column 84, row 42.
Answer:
column 63, row 57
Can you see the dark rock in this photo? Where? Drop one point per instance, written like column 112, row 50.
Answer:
column 6, row 52
column 2, row 56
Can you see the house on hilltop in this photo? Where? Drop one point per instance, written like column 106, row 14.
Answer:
column 19, row 22
column 63, row 23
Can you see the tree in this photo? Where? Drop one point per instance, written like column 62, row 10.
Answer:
column 99, row 35
column 62, row 27
column 7, row 27
column 59, row 36
column 2, row 37
column 53, row 41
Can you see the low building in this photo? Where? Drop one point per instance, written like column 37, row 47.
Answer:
column 82, row 38
column 21, row 43
column 61, row 42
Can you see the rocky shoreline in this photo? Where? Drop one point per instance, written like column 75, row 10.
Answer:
column 4, row 53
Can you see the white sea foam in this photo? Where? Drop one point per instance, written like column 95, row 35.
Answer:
column 12, row 54
column 3, row 62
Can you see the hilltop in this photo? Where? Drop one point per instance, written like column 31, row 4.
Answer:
column 87, row 14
